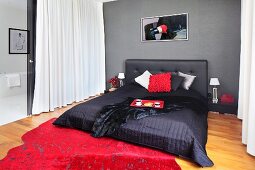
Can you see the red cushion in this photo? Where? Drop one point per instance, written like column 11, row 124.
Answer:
column 160, row 82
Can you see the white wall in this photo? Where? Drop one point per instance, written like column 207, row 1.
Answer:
column 13, row 14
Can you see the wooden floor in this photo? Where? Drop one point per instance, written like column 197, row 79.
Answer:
column 224, row 145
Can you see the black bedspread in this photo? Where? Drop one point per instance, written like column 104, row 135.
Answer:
column 183, row 133
column 111, row 117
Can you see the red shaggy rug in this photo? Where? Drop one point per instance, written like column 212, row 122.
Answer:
column 50, row 147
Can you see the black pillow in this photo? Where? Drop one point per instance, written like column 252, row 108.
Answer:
column 176, row 82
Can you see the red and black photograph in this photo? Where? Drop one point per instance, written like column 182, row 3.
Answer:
column 165, row 28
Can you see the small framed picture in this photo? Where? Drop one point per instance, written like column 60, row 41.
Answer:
column 18, row 41
column 165, row 28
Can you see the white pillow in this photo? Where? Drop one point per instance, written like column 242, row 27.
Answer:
column 144, row 79
column 188, row 80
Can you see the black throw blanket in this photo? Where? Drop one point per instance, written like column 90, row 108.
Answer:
column 111, row 117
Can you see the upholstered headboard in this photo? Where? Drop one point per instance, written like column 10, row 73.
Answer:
column 135, row 67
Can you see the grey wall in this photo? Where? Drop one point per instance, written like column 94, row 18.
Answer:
column 214, row 35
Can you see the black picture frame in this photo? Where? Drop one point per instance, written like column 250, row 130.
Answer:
column 18, row 41
column 173, row 27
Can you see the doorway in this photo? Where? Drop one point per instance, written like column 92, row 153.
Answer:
column 16, row 68
column 13, row 64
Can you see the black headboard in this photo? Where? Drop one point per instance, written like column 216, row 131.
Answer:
column 135, row 67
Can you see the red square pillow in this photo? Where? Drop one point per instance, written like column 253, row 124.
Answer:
column 160, row 83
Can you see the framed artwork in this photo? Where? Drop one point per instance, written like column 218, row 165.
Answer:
column 18, row 41
column 165, row 28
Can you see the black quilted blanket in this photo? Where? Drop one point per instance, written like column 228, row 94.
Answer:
column 178, row 130
column 111, row 117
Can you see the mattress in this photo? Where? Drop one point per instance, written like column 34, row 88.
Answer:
column 183, row 133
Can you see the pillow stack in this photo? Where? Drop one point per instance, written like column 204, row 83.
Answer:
column 165, row 82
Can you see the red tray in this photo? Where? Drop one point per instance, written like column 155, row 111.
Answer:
column 145, row 103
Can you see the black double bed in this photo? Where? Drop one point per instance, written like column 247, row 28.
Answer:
column 183, row 132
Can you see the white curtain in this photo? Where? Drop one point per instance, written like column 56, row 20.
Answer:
column 70, row 52
column 246, row 110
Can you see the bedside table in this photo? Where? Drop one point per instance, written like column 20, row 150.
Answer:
column 222, row 108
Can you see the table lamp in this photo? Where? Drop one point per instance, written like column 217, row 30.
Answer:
column 121, row 76
column 214, row 82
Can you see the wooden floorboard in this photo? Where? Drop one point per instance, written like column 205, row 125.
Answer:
column 224, row 145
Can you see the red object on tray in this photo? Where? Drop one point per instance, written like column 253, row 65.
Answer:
column 227, row 98
column 148, row 103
